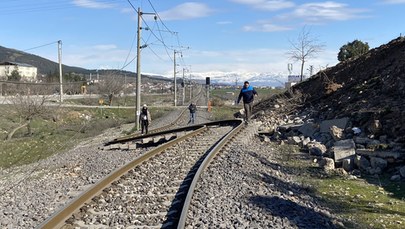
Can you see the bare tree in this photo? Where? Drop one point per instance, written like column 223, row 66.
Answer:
column 111, row 85
column 304, row 48
column 28, row 104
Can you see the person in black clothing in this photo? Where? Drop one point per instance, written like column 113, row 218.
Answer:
column 192, row 108
column 248, row 94
column 144, row 119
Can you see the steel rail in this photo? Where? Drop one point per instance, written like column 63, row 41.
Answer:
column 57, row 220
column 180, row 129
column 158, row 129
column 201, row 168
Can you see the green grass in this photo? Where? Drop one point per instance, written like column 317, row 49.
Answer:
column 369, row 202
column 59, row 130
column 223, row 112
column 50, row 136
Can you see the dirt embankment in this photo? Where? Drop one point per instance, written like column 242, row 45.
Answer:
column 365, row 89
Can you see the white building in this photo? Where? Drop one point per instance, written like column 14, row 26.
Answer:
column 26, row 71
column 292, row 80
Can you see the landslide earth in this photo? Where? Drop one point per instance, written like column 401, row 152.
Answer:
column 368, row 88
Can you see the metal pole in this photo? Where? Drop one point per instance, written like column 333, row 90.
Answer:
column 175, row 84
column 138, row 72
column 60, row 69
column 191, row 86
column 184, row 89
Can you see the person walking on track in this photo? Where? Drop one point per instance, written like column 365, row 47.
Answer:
column 144, row 119
column 248, row 94
column 192, row 108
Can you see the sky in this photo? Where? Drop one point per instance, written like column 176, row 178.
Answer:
column 196, row 37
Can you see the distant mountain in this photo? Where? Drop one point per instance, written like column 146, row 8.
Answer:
column 43, row 65
column 46, row 66
column 235, row 78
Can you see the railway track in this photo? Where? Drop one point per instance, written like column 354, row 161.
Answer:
column 155, row 189
column 181, row 119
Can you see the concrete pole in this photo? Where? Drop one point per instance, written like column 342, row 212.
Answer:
column 60, row 70
column 191, row 86
column 174, row 75
column 184, row 89
column 138, row 71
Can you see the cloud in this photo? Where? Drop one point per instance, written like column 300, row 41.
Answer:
column 224, row 22
column 325, row 11
column 96, row 56
column 265, row 26
column 187, row 10
column 92, row 4
column 272, row 5
column 394, row 1
column 105, row 47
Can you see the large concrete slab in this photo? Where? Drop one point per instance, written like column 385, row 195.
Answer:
column 344, row 149
column 327, row 124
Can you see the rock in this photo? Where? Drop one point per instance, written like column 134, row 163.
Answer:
column 295, row 140
column 348, row 164
column 316, row 148
column 378, row 163
column 396, row 178
column 344, row 149
column 336, row 133
column 402, row 171
column 362, row 163
column 327, row 163
column 374, row 127
column 308, row 129
column 327, row 124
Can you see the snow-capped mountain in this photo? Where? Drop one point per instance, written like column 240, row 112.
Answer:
column 235, row 78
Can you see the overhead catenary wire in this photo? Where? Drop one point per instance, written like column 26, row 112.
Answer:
column 10, row 7
column 40, row 46
column 158, row 34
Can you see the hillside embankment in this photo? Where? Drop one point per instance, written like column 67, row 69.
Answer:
column 352, row 113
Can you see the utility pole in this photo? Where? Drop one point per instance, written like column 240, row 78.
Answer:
column 138, row 71
column 184, row 88
column 138, row 68
column 174, row 76
column 191, row 86
column 60, row 69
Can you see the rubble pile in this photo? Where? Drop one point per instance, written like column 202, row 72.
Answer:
column 351, row 115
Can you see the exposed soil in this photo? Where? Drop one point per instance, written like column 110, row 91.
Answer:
column 368, row 88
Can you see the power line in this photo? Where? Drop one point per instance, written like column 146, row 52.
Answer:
column 17, row 7
column 157, row 33
column 40, row 46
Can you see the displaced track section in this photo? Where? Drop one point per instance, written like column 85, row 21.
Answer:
column 151, row 191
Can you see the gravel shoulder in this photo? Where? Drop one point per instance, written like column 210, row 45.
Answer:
column 31, row 193
column 252, row 191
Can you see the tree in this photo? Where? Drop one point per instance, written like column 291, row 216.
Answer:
column 304, row 48
column 111, row 85
column 352, row 49
column 15, row 76
column 27, row 105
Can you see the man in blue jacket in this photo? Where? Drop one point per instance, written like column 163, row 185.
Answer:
column 248, row 94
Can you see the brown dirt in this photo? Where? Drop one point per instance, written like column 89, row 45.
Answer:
column 368, row 88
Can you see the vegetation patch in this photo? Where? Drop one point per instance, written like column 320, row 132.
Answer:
column 366, row 202
column 53, row 133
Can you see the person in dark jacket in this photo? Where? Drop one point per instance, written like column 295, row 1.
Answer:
column 144, row 119
column 192, row 108
column 248, row 94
